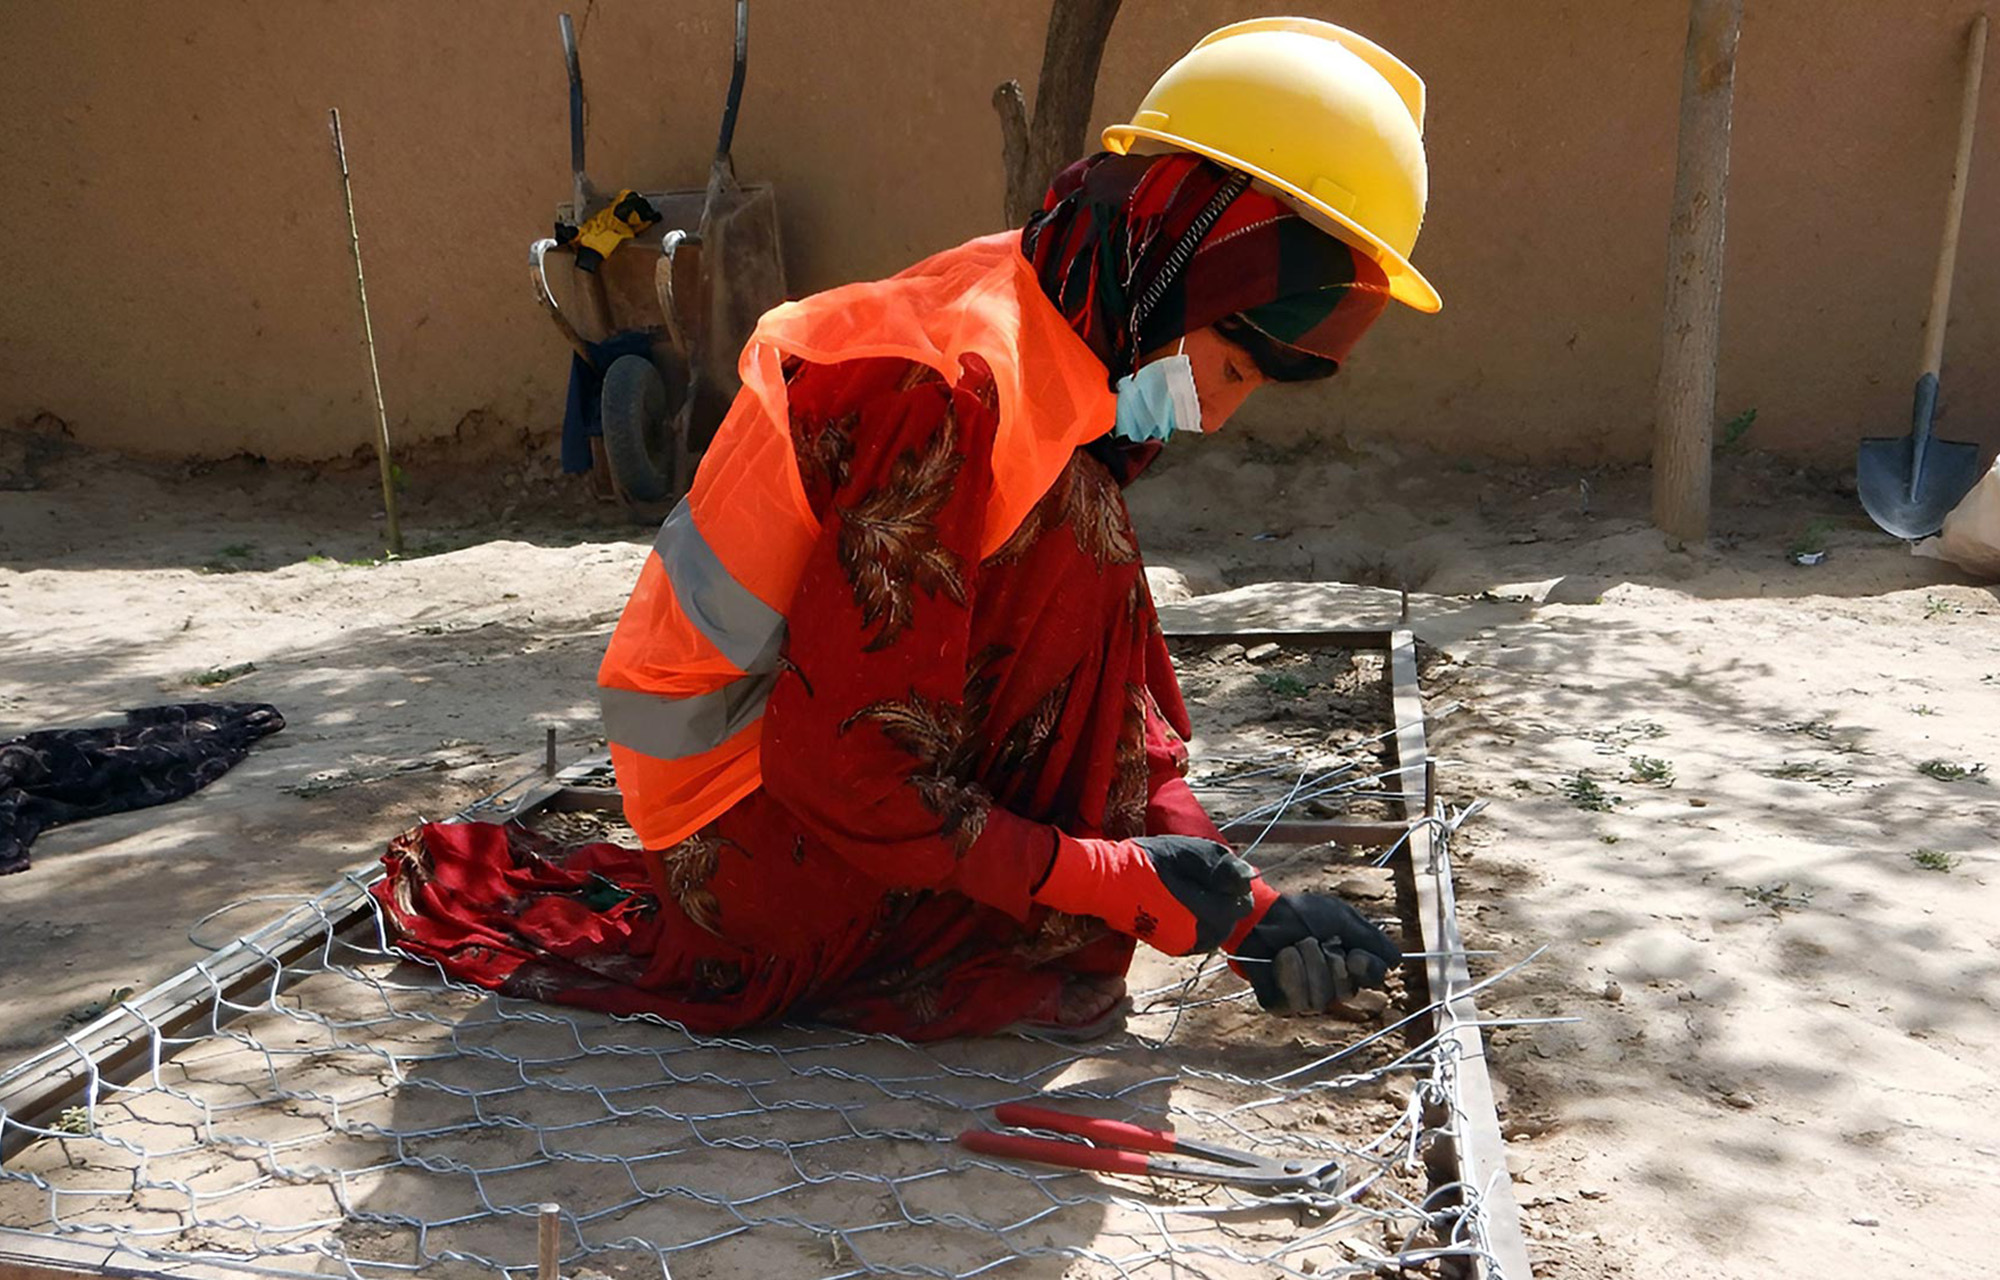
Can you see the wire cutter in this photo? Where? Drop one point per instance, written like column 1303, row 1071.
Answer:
column 1114, row 1146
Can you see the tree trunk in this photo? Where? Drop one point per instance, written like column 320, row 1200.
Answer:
column 1684, row 424
column 1033, row 152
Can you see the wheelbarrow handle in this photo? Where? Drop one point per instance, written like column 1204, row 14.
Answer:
column 735, row 99
column 538, row 277
column 663, row 286
column 578, row 179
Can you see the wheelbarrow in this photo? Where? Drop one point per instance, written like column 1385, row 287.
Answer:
column 685, row 292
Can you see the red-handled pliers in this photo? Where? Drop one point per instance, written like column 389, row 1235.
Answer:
column 1117, row 1147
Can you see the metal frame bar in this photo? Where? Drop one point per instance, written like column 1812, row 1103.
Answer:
column 1479, row 1151
column 1474, row 1154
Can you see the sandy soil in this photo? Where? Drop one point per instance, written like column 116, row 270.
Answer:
column 1705, row 768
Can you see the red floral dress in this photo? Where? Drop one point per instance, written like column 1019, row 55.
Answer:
column 936, row 717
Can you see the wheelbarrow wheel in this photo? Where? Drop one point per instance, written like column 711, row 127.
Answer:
column 638, row 429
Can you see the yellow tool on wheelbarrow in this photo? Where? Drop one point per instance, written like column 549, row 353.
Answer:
column 670, row 306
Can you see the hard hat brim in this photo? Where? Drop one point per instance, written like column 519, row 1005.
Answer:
column 1407, row 285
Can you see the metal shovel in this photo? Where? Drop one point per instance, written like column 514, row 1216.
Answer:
column 1909, row 484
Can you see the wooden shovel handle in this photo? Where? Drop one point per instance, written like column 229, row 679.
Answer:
column 1975, row 57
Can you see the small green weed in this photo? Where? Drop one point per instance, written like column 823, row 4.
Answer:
column 1583, row 791
column 1924, row 709
column 92, row 1010
column 1653, row 770
column 1817, row 772
column 1777, row 895
column 73, row 1120
column 1736, row 428
column 1934, row 607
column 1812, row 541
column 230, row 559
column 222, row 675
column 1823, row 731
column 1283, row 683
column 358, row 562
column 1951, row 770
column 1609, row 839
column 1934, row 860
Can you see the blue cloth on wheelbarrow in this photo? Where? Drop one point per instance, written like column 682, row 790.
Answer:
column 583, row 417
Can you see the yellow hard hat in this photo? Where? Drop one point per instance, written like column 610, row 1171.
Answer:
column 1328, row 121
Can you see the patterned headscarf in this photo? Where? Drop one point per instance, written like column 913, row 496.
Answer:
column 1137, row 251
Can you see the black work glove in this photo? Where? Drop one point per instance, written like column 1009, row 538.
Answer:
column 1208, row 879
column 1312, row 949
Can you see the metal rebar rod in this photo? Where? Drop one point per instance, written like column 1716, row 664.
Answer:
column 548, row 1235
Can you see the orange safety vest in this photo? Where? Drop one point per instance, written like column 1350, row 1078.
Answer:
column 692, row 661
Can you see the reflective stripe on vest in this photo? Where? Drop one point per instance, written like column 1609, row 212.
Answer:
column 746, row 630
column 677, row 728
column 743, row 629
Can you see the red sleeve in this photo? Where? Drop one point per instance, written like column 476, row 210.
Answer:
column 866, row 737
column 1171, row 808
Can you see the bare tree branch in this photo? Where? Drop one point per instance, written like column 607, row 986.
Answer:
column 1034, row 152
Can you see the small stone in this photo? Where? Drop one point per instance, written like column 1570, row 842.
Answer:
column 1740, row 1100
column 1866, row 1222
column 1592, row 1193
column 1361, row 1006
column 1613, row 992
column 1698, row 802
column 1225, row 652
column 1263, row 652
column 1309, row 1265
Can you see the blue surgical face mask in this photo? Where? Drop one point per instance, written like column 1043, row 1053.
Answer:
column 1158, row 400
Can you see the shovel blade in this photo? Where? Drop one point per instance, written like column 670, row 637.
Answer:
column 1904, row 501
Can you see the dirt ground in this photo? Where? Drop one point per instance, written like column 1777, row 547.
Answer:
column 1745, row 804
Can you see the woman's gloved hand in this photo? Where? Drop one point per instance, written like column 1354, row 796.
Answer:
column 1311, row 949
column 1178, row 894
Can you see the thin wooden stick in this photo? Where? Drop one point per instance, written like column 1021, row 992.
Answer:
column 368, row 333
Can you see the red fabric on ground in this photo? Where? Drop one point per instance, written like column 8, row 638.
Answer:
column 936, row 720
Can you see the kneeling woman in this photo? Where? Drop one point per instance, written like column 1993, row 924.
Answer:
column 889, row 706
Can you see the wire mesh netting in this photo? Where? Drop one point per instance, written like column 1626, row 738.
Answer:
column 358, row 1113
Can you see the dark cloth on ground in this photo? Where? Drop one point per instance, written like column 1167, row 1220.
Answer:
column 159, row 754
column 934, row 715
